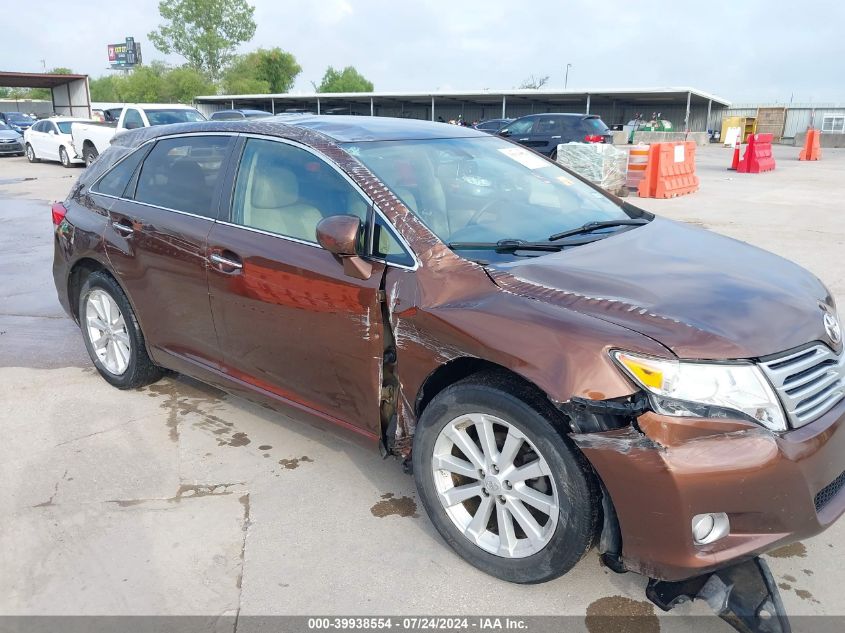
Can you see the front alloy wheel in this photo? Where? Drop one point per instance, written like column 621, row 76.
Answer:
column 501, row 481
column 503, row 500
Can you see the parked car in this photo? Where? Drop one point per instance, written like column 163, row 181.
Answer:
column 50, row 139
column 558, row 367
column 234, row 115
column 92, row 138
column 544, row 132
column 18, row 121
column 491, row 126
column 11, row 142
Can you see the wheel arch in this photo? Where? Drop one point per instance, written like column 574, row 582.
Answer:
column 466, row 366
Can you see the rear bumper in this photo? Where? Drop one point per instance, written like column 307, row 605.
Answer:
column 775, row 489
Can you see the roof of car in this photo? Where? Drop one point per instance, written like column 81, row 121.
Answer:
column 341, row 129
column 582, row 115
column 344, row 129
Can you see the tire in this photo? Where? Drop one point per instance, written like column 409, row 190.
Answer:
column 30, row 154
column 64, row 159
column 89, row 154
column 567, row 534
column 124, row 332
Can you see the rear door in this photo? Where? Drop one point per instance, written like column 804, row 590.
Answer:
column 156, row 242
column 290, row 322
column 36, row 138
column 51, row 141
column 547, row 134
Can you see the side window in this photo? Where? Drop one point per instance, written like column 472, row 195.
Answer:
column 521, row 126
column 548, row 125
column 39, row 127
column 115, row 181
column 182, row 173
column 286, row 190
column 133, row 119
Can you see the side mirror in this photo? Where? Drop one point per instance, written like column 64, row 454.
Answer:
column 504, row 133
column 338, row 234
column 52, row 132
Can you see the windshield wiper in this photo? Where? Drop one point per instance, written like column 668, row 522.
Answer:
column 507, row 245
column 594, row 226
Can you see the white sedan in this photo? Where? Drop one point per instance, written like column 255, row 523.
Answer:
column 50, row 139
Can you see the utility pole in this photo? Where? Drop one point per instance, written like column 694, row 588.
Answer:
column 566, row 80
column 43, row 65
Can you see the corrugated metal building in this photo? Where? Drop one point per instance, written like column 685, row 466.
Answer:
column 799, row 116
column 680, row 105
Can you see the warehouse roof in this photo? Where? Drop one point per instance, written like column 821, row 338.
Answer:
column 646, row 95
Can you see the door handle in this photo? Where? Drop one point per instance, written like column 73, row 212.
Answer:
column 220, row 260
column 125, row 229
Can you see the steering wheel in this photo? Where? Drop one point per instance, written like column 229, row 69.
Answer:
column 473, row 221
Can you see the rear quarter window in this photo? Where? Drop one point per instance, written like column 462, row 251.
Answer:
column 115, row 181
column 594, row 126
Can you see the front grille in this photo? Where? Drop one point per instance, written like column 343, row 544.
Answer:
column 809, row 383
column 829, row 492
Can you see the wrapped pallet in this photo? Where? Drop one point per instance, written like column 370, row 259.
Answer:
column 601, row 164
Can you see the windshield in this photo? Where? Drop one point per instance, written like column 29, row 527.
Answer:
column 17, row 117
column 165, row 117
column 3, row 126
column 484, row 189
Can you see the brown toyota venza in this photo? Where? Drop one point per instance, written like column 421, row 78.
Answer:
column 559, row 368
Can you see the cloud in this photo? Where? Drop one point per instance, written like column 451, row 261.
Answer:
column 744, row 51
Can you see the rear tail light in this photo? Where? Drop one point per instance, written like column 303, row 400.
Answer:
column 59, row 212
column 594, row 138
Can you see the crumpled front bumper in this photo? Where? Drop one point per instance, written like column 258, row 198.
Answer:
column 775, row 489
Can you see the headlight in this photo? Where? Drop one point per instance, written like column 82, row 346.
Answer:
column 711, row 390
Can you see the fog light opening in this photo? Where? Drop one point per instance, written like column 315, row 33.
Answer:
column 710, row 527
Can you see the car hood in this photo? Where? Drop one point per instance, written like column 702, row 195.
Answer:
column 10, row 136
column 700, row 294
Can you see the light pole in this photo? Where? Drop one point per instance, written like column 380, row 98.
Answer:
column 566, row 81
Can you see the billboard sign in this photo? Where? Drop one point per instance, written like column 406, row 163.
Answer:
column 125, row 54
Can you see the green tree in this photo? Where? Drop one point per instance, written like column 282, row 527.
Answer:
column 182, row 84
column 204, row 32
column 346, row 80
column 145, row 84
column 61, row 70
column 261, row 71
column 109, row 88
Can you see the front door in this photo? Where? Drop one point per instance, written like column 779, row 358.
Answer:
column 157, row 243
column 290, row 322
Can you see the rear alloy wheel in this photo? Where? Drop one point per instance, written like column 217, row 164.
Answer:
column 30, row 154
column 112, row 335
column 502, row 484
column 64, row 158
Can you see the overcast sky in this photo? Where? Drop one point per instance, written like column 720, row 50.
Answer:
column 745, row 50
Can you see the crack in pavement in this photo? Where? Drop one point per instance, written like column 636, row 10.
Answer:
column 239, row 583
column 49, row 501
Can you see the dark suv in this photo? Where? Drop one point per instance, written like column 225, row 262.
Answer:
column 544, row 132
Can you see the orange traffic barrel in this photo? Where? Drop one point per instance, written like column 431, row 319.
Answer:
column 637, row 163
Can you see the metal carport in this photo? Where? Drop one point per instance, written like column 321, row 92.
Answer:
column 71, row 95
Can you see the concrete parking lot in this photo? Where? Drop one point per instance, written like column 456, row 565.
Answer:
column 180, row 499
